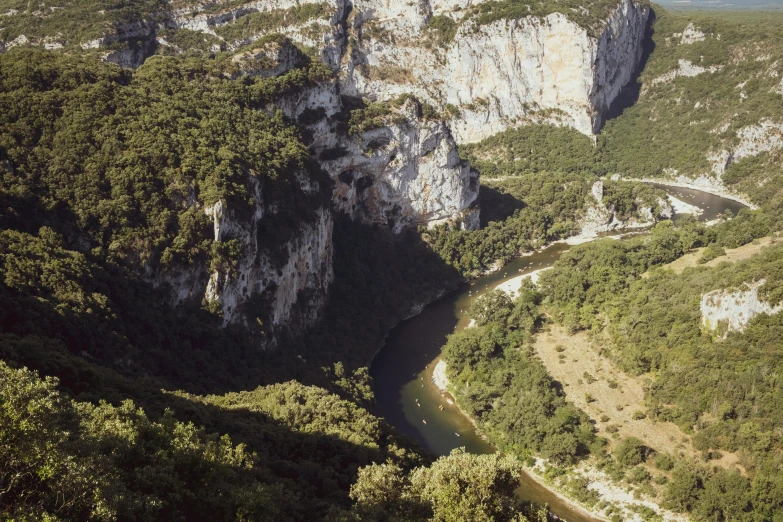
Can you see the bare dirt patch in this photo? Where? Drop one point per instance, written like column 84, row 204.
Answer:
column 732, row 255
column 614, row 397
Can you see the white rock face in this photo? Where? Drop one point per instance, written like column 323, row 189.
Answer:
column 755, row 139
column 404, row 174
column 734, row 309
column 306, row 267
column 766, row 136
column 506, row 72
column 690, row 35
column 686, row 68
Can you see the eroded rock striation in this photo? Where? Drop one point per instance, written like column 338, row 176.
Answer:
column 495, row 76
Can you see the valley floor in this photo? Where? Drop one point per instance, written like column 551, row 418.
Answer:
column 614, row 395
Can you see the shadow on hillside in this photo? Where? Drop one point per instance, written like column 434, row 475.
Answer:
column 630, row 93
column 379, row 279
column 497, row 205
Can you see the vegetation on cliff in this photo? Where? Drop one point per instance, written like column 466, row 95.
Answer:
column 105, row 175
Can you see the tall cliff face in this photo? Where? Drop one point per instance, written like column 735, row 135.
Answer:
column 272, row 282
column 293, row 278
column 501, row 74
column 404, row 172
column 401, row 169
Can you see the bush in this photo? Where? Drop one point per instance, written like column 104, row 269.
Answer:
column 663, row 461
column 638, row 475
column 630, row 452
column 711, row 252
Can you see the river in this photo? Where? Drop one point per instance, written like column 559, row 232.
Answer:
column 402, row 369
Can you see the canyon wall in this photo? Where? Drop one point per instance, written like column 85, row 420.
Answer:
column 500, row 75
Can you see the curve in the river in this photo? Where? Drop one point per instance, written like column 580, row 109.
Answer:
column 402, row 369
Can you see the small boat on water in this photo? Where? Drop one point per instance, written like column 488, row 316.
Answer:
column 457, row 434
column 440, row 407
column 418, row 404
column 424, row 421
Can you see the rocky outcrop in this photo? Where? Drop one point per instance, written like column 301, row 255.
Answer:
column 687, row 69
column 405, row 172
column 690, row 35
column 601, row 218
column 752, row 140
column 271, row 58
column 681, row 207
column 724, row 311
column 500, row 74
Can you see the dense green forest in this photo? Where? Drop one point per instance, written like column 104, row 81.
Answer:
column 723, row 393
column 115, row 404
column 498, row 381
column 66, row 460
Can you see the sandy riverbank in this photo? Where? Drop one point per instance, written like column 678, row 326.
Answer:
column 439, row 376
column 513, row 284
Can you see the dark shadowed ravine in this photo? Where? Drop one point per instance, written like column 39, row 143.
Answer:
column 402, row 369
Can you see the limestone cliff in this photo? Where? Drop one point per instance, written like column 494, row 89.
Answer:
column 601, row 217
column 490, row 76
column 400, row 168
column 272, row 282
column 724, row 311
column 405, row 172
column 498, row 75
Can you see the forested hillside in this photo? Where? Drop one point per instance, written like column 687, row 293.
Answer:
column 115, row 398
column 705, row 112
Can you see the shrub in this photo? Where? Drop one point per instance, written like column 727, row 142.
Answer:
column 630, row 452
column 663, row 461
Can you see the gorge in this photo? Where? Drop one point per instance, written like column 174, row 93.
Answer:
column 214, row 214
